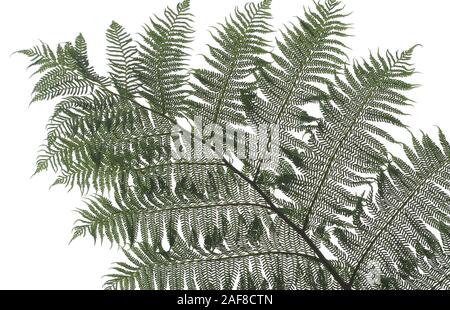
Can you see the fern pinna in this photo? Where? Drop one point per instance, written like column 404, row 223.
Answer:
column 337, row 204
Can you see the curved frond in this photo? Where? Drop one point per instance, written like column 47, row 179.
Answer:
column 64, row 72
column 347, row 148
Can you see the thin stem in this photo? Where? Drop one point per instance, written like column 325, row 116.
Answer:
column 328, row 168
column 296, row 228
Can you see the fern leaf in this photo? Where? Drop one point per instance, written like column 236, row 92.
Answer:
column 121, row 55
column 412, row 201
column 64, row 72
column 310, row 54
column 163, row 69
column 348, row 132
column 240, row 43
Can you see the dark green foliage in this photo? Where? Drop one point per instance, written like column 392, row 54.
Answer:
column 240, row 44
column 412, row 198
column 122, row 60
column 203, row 223
column 162, row 57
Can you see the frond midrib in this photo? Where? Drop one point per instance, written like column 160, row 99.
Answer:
column 403, row 205
column 233, row 66
column 365, row 103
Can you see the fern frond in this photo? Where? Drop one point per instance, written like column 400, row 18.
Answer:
column 155, row 201
column 64, row 72
column 182, row 269
column 93, row 141
column 121, row 53
column 246, row 255
column 162, row 71
column 311, row 52
column 409, row 234
column 240, row 44
column 336, row 202
column 346, row 147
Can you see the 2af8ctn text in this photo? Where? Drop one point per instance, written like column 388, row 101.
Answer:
column 231, row 299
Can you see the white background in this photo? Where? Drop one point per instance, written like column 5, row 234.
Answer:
column 35, row 223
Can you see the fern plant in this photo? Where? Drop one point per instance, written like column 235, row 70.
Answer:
column 338, row 203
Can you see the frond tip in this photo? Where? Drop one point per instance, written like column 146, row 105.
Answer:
column 121, row 55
